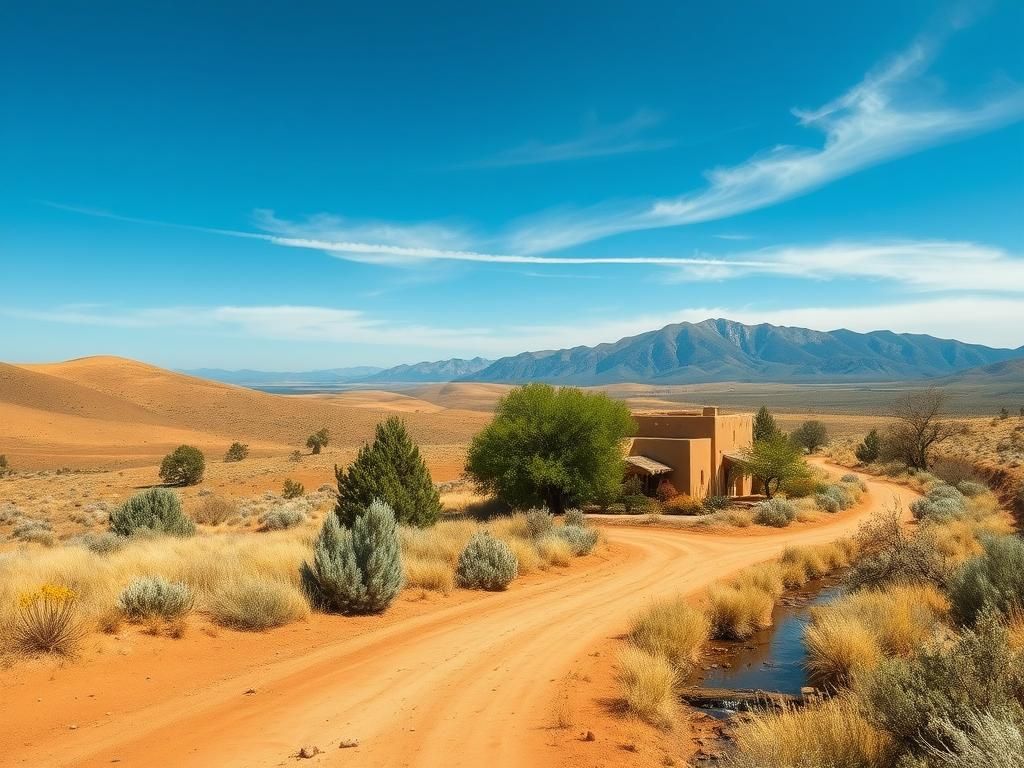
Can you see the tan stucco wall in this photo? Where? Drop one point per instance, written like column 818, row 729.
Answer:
column 723, row 433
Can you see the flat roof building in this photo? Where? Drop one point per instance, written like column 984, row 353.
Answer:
column 695, row 451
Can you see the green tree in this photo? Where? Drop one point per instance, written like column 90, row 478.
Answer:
column 392, row 470
column 318, row 440
column 765, row 427
column 183, row 466
column 357, row 570
column 810, row 435
column 870, row 448
column 556, row 447
column 292, row 489
column 236, row 452
column 774, row 461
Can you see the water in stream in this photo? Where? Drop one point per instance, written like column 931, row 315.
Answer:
column 771, row 660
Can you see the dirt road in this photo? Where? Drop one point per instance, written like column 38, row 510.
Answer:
column 468, row 684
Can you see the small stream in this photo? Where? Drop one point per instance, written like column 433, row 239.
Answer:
column 773, row 659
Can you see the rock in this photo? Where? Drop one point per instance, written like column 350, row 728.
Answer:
column 348, row 743
column 73, row 727
column 309, row 751
column 589, row 736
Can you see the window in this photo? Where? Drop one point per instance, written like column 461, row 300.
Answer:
column 702, row 478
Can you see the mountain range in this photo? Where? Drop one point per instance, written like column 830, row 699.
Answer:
column 689, row 353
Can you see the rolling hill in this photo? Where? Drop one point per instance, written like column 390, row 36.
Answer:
column 724, row 350
column 441, row 370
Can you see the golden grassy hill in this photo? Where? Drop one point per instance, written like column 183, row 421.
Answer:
column 97, row 410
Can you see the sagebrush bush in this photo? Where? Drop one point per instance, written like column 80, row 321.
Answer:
column 254, row 603
column 581, row 539
column 100, row 543
column 486, row 563
column 971, row 489
column 827, row 503
column 539, row 522
column 982, row 740
column 914, row 700
column 282, row 517
column 777, row 513
column 673, row 629
column 575, row 517
column 357, row 570
column 994, row 579
column 157, row 510
column 183, row 466
column 150, row 596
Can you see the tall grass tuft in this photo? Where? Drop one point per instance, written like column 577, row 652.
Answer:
column 648, row 683
column 254, row 603
column 673, row 629
column 735, row 613
column 47, row 621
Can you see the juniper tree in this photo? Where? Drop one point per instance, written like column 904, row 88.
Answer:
column 870, row 448
column 765, row 427
column 392, row 470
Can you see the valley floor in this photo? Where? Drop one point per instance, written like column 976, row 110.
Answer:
column 507, row 679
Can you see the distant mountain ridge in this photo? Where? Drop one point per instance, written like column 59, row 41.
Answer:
column 441, row 370
column 725, row 350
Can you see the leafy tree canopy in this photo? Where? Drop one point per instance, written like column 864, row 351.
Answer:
column 556, row 447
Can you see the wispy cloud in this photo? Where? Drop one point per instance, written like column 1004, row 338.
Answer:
column 916, row 265
column 596, row 140
column 881, row 118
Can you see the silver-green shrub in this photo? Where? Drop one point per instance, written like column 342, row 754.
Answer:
column 486, row 563
column 157, row 510
column 574, row 517
column 581, row 538
column 827, row 503
column 993, row 579
column 150, row 596
column 777, row 513
column 281, row 518
column 357, row 570
column 971, row 489
column 100, row 543
column 982, row 740
column 539, row 522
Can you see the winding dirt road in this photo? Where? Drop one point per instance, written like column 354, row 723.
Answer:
column 466, row 684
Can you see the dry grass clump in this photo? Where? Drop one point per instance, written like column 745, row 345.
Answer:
column 737, row 612
column 648, row 683
column 555, row 550
column 832, row 733
column 727, row 518
column 767, row 577
column 443, row 541
column 529, row 558
column 854, row 634
column 256, row 603
column 672, row 629
column 431, row 575
column 215, row 510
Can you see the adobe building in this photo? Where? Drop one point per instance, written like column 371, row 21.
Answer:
column 696, row 451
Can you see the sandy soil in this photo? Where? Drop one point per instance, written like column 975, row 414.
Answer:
column 461, row 681
column 109, row 412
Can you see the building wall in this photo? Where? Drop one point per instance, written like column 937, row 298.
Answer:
column 690, row 461
column 724, row 433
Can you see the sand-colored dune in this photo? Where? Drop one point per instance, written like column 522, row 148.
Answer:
column 104, row 411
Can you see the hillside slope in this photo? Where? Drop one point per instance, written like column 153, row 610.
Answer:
column 134, row 413
column 724, row 350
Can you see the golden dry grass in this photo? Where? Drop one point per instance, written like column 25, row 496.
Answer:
column 431, row 575
column 767, row 577
column 832, row 733
column 555, row 550
column 255, row 603
column 672, row 629
column 855, row 633
column 735, row 613
column 648, row 684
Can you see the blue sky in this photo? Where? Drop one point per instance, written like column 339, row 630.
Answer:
column 286, row 188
